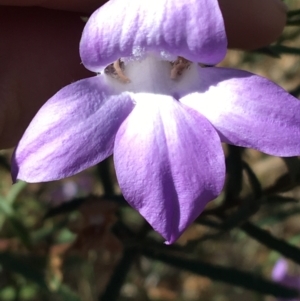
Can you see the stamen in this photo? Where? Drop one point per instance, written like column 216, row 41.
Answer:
column 205, row 66
column 116, row 70
column 179, row 66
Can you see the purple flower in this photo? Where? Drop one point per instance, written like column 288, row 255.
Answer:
column 280, row 274
column 163, row 116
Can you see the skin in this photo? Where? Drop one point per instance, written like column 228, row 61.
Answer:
column 39, row 49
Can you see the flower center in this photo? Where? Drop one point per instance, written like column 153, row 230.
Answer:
column 178, row 66
column 151, row 74
column 117, row 69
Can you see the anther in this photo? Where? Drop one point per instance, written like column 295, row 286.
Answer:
column 116, row 70
column 179, row 66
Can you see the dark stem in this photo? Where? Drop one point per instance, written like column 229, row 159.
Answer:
column 130, row 255
column 228, row 275
column 272, row 242
column 103, row 171
column 117, row 280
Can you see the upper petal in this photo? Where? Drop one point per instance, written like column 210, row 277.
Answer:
column 169, row 163
column 248, row 110
column 193, row 29
column 74, row 130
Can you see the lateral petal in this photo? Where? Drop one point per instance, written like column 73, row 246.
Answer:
column 74, row 130
column 248, row 110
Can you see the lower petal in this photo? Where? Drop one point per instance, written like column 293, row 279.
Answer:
column 248, row 110
column 167, row 169
column 74, row 130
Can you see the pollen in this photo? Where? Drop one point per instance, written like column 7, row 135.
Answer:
column 116, row 70
column 122, row 71
column 178, row 67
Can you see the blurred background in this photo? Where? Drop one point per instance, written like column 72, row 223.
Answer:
column 77, row 239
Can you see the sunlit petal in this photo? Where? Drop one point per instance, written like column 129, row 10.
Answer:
column 122, row 28
column 169, row 163
column 248, row 110
column 74, row 130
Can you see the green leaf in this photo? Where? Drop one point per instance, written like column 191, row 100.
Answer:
column 293, row 22
column 21, row 231
column 48, row 233
column 24, row 266
column 285, row 49
column 293, row 13
column 16, row 224
column 293, row 17
column 67, row 294
column 268, row 51
column 15, row 191
column 31, row 268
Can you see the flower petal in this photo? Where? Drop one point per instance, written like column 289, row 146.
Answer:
column 280, row 270
column 121, row 28
column 248, row 110
column 167, row 169
column 74, row 130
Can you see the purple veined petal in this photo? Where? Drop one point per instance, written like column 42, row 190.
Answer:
column 248, row 110
column 169, row 163
column 74, row 130
column 193, row 29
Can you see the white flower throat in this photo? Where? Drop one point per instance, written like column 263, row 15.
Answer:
column 152, row 74
column 116, row 69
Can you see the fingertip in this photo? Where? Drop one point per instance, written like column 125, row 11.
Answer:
column 86, row 6
column 252, row 24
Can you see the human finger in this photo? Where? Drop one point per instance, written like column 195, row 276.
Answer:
column 248, row 26
column 38, row 56
column 39, row 53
